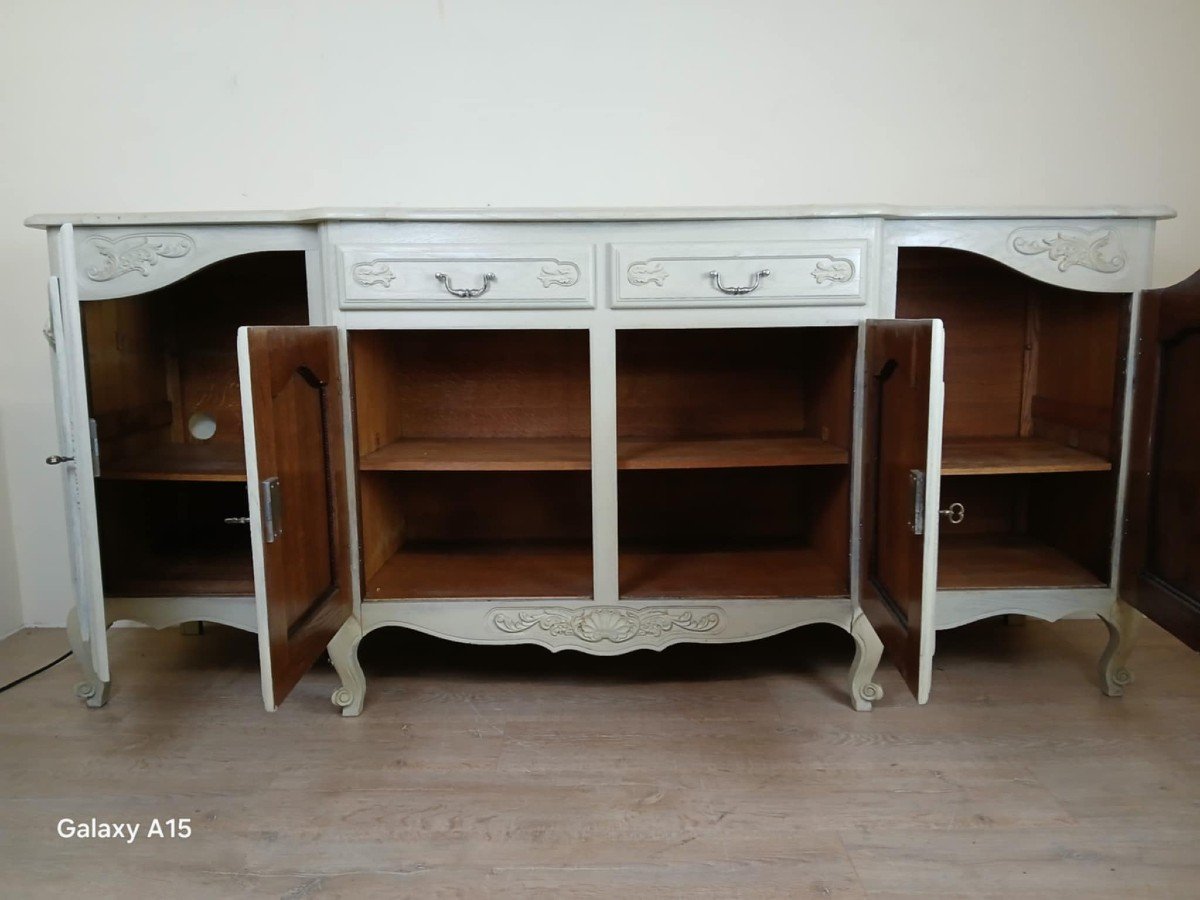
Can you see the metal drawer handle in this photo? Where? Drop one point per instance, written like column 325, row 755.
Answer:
column 955, row 514
column 469, row 293
column 58, row 460
column 237, row 520
column 736, row 291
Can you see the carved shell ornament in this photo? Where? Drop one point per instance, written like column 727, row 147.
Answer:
column 1099, row 251
column 606, row 623
column 135, row 253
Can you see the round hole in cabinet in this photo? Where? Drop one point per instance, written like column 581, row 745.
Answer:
column 202, row 426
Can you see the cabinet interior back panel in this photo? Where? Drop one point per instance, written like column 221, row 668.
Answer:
column 157, row 359
column 470, row 384
column 1023, row 358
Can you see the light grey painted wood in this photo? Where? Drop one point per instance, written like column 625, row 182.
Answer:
column 605, row 548
column 91, row 619
column 254, row 500
column 166, row 612
column 122, row 262
column 600, row 214
column 766, row 273
column 933, row 494
column 958, row 608
column 1104, row 249
column 505, row 275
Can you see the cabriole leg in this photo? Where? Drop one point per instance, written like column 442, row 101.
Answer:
column 343, row 653
column 867, row 652
column 91, row 690
column 1123, row 622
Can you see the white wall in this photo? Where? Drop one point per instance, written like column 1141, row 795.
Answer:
column 124, row 105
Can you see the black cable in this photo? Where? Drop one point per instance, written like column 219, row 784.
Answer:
column 49, row 665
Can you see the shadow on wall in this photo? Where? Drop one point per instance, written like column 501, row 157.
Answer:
column 10, row 595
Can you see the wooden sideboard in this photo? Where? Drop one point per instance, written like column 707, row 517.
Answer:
column 609, row 430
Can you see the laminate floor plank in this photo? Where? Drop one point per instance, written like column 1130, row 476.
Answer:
column 701, row 771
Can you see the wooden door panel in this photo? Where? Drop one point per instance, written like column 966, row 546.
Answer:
column 900, row 480
column 292, row 405
column 1160, row 567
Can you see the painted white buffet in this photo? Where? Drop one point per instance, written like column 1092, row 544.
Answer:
column 602, row 274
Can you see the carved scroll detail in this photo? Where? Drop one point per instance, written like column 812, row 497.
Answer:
column 1100, row 251
column 371, row 273
column 833, row 270
column 562, row 274
column 607, row 623
column 642, row 273
column 135, row 253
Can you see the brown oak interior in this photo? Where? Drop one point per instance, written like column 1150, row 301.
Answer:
column 294, row 377
column 471, row 400
column 1034, row 378
column 474, row 462
column 476, row 535
column 153, row 361
column 169, row 538
column 733, row 446
column 898, row 385
column 1159, row 571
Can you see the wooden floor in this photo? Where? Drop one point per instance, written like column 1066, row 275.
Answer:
column 701, row 772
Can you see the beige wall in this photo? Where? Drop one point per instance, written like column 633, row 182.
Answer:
column 155, row 105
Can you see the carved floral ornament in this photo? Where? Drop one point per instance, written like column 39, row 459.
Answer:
column 616, row 624
column 135, row 253
column 1099, row 251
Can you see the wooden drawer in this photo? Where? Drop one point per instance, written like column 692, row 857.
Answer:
column 801, row 273
column 459, row 276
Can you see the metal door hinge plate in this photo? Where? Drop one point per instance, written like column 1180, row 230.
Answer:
column 95, row 441
column 916, row 478
column 272, row 510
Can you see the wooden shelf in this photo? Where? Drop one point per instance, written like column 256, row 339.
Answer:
column 180, row 462
column 532, row 571
column 980, row 562
column 574, row 454
column 728, row 453
column 1011, row 456
column 480, row 455
column 197, row 573
column 722, row 573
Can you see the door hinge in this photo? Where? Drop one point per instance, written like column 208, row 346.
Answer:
column 95, row 440
column 916, row 478
column 272, row 510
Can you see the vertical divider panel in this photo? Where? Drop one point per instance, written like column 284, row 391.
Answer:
column 603, row 366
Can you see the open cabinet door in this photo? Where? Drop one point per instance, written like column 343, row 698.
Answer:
column 295, row 465
column 1160, row 562
column 87, row 622
column 902, row 460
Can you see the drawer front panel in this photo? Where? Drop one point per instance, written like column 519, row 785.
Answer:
column 801, row 273
column 426, row 276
